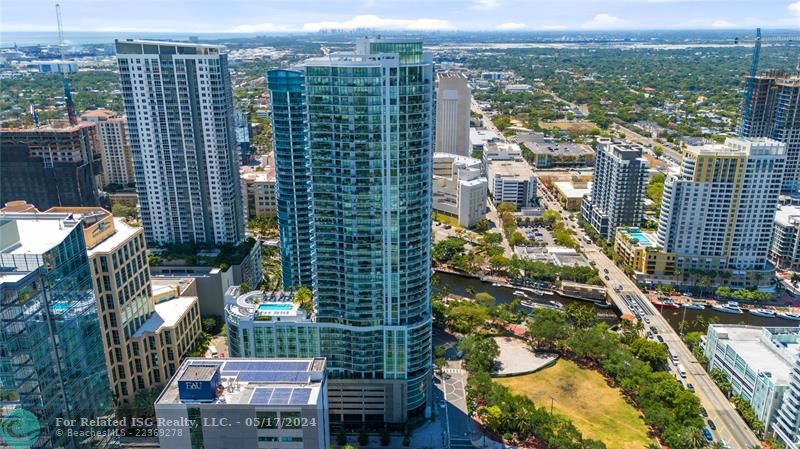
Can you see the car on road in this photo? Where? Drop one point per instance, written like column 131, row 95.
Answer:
column 608, row 278
column 660, row 338
column 704, row 412
column 605, row 270
column 711, row 425
column 442, row 404
column 653, row 329
column 707, row 433
column 690, row 387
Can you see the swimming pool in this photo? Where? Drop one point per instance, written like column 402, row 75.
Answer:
column 275, row 307
column 60, row 307
column 636, row 234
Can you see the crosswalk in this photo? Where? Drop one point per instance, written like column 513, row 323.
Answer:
column 460, row 443
column 453, row 370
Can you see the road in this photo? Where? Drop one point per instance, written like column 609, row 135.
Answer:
column 669, row 149
column 730, row 426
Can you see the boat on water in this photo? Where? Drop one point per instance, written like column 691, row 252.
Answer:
column 497, row 284
column 538, row 292
column 520, row 293
column 548, row 293
column 669, row 303
column 556, row 304
column 762, row 312
column 540, row 305
column 788, row 316
column 729, row 307
column 694, row 305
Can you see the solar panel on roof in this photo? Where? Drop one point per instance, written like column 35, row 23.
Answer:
column 300, row 396
column 261, row 396
column 272, row 376
column 280, row 396
column 270, row 365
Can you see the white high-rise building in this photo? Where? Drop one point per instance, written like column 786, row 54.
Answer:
column 453, row 102
column 618, row 187
column 180, row 118
column 718, row 213
column 116, row 151
column 459, row 188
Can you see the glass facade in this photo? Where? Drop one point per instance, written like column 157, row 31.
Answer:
column 369, row 130
column 51, row 355
column 292, row 177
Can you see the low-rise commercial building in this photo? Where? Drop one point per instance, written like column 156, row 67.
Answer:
column 459, row 189
column 758, row 362
column 479, row 137
column 784, row 250
column 556, row 154
column 245, row 403
column 571, row 193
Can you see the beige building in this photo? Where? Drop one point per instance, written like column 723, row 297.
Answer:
column 571, row 193
column 147, row 329
column 116, row 146
column 459, row 189
column 453, row 103
column 258, row 191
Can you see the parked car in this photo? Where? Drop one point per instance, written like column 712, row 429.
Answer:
column 690, row 387
column 704, row 412
column 707, row 433
column 712, row 425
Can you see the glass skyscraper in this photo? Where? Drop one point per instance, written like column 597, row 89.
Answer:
column 292, row 177
column 51, row 356
column 370, row 122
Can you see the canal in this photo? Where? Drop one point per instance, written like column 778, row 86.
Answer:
column 695, row 319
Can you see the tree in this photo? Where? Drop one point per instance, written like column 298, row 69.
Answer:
column 465, row 317
column 548, row 328
column 363, row 437
column 482, row 225
column 652, row 353
column 722, row 381
column 479, row 353
column 341, row 437
column 581, row 315
column 123, row 211
column 304, row 297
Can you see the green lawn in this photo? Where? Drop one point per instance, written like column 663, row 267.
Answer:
column 597, row 410
column 446, row 219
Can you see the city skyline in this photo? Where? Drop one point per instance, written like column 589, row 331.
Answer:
column 246, row 17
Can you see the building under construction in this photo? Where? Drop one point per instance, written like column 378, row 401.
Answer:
column 50, row 166
column 774, row 111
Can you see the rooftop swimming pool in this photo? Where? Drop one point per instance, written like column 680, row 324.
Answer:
column 275, row 307
column 636, row 234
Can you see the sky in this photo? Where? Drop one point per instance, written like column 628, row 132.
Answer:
column 267, row 16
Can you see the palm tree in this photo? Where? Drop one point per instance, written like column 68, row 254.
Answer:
column 653, row 446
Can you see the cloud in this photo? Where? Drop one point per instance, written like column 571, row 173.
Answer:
column 508, row 26
column 259, row 28
column 722, row 24
column 604, row 21
column 794, row 8
column 485, row 4
column 372, row 21
column 554, row 27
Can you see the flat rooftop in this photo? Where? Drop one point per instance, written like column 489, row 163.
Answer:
column 788, row 215
column 560, row 149
column 568, row 189
column 255, row 381
column 167, row 314
column 38, row 232
column 510, row 169
column 760, row 352
column 642, row 239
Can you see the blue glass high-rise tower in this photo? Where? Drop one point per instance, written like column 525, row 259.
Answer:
column 292, row 177
column 369, row 129
column 51, row 356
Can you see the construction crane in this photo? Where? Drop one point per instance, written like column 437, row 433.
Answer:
column 71, row 115
column 751, row 79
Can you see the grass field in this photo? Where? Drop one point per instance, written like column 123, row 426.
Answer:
column 580, row 127
column 597, row 410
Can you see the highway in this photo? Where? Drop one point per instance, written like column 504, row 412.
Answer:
column 730, row 427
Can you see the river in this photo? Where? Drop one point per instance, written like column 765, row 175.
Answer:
column 460, row 285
